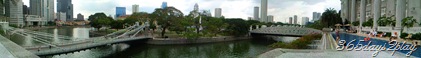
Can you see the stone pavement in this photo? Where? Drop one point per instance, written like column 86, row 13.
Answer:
column 9, row 49
column 327, row 52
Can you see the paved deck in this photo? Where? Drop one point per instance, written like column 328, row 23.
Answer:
column 327, row 52
column 291, row 53
column 9, row 49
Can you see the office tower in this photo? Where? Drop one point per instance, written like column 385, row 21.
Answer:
column 218, row 12
column 61, row 16
column 256, row 13
column 135, row 8
column 43, row 8
column 164, row 5
column 264, row 10
column 65, row 6
column 295, row 19
column 304, row 20
column 290, row 20
column 13, row 10
column 80, row 17
column 270, row 18
column 120, row 11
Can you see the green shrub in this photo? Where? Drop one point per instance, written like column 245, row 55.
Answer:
column 416, row 36
column 300, row 43
column 403, row 35
column 388, row 34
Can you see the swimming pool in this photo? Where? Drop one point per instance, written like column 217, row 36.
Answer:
column 349, row 37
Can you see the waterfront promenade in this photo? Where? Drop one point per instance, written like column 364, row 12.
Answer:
column 9, row 49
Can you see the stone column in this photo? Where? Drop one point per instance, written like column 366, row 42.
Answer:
column 362, row 14
column 344, row 10
column 376, row 7
column 400, row 13
column 353, row 15
column 414, row 8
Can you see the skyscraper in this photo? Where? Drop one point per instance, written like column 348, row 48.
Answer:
column 264, row 10
column 164, row 5
column 304, row 20
column 80, row 17
column 290, row 20
column 135, row 8
column 316, row 16
column 25, row 10
column 218, row 12
column 120, row 11
column 13, row 10
column 43, row 8
column 61, row 16
column 65, row 6
column 196, row 7
column 295, row 19
column 270, row 18
column 256, row 13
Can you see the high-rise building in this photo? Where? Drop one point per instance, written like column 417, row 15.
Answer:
column 295, row 19
column 34, row 20
column 256, row 13
column 270, row 18
column 13, row 10
column 196, row 7
column 135, row 8
column 218, row 12
column 316, row 16
column 249, row 18
column 43, row 8
column 304, row 20
column 25, row 10
column 80, row 17
column 61, row 16
column 264, row 5
column 120, row 11
column 164, row 5
column 290, row 20
column 65, row 6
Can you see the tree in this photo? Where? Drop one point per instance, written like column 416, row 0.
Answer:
column 213, row 25
column 385, row 21
column 99, row 20
column 330, row 17
column 118, row 24
column 166, row 17
column 316, row 25
column 237, row 27
column 137, row 17
column 356, row 23
column 368, row 23
column 408, row 22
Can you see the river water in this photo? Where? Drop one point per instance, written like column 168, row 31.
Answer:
column 232, row 49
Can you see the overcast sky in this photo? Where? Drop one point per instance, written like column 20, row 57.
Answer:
column 280, row 9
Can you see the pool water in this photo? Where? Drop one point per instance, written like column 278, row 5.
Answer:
column 349, row 37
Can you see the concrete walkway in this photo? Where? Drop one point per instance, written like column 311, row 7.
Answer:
column 329, row 51
column 9, row 49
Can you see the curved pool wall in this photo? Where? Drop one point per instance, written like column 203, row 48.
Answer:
column 350, row 37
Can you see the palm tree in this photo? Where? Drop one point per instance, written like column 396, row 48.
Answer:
column 330, row 17
column 386, row 21
column 408, row 22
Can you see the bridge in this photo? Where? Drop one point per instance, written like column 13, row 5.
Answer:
column 296, row 31
column 132, row 34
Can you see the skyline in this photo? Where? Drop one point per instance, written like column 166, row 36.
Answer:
column 280, row 9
